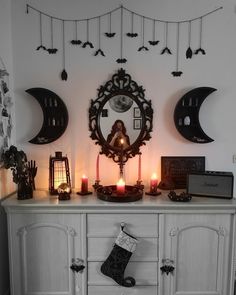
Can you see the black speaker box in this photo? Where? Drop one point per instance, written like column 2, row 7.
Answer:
column 215, row 184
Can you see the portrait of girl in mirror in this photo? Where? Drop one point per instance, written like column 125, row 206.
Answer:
column 118, row 137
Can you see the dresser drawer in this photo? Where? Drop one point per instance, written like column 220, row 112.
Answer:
column 145, row 273
column 117, row 290
column 108, row 225
column 100, row 248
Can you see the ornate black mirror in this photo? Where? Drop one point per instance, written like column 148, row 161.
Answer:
column 120, row 118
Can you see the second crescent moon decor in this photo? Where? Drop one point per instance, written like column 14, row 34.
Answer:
column 122, row 16
column 55, row 115
column 186, row 115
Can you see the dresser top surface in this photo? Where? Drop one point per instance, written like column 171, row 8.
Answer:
column 42, row 200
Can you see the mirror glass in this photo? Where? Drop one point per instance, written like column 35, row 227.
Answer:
column 113, row 112
column 120, row 118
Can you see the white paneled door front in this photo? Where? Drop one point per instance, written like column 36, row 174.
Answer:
column 194, row 254
column 45, row 248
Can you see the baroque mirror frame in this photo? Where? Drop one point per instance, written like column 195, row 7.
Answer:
column 121, row 83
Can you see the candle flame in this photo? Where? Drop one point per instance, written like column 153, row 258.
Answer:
column 84, row 176
column 121, row 182
column 154, row 176
column 122, row 141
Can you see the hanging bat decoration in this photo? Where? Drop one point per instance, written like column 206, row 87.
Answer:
column 99, row 51
column 87, row 43
column 41, row 46
column 110, row 34
column 200, row 50
column 76, row 41
column 153, row 42
column 64, row 74
column 143, row 48
column 189, row 52
column 132, row 33
column 166, row 48
column 52, row 50
column 121, row 60
column 177, row 72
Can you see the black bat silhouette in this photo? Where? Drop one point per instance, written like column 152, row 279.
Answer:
column 52, row 50
column 41, row 47
column 88, row 44
column 64, row 75
column 110, row 35
column 177, row 73
column 189, row 53
column 153, row 42
column 75, row 42
column 143, row 48
column 121, row 60
column 99, row 51
column 200, row 50
column 132, row 35
column 166, row 50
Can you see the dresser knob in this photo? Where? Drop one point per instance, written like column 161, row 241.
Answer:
column 77, row 265
column 168, row 266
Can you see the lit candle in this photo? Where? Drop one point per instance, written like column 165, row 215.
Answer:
column 153, row 183
column 120, row 187
column 122, row 142
column 97, row 168
column 139, row 168
column 84, row 184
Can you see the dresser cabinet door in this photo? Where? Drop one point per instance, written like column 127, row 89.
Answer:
column 43, row 247
column 102, row 230
column 195, row 254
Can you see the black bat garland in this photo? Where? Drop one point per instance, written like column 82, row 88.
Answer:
column 131, row 34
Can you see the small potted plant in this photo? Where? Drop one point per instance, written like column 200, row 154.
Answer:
column 21, row 172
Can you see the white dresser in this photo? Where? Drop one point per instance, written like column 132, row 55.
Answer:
column 47, row 236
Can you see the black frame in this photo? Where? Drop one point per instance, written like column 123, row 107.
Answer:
column 121, row 83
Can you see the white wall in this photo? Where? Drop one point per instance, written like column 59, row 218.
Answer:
column 151, row 70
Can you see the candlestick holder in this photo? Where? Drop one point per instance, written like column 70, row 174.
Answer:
column 139, row 184
column 96, row 185
column 84, row 193
column 109, row 193
column 153, row 192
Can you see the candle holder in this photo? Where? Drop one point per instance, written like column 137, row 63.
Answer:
column 96, row 185
column 109, row 193
column 139, row 184
column 84, row 193
column 153, row 193
column 84, row 187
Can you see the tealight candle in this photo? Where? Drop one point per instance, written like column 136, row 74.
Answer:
column 120, row 187
column 153, row 183
column 84, row 184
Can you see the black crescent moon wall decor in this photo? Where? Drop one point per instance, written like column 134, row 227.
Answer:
column 55, row 115
column 186, row 115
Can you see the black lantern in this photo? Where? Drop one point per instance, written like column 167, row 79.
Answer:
column 58, row 172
